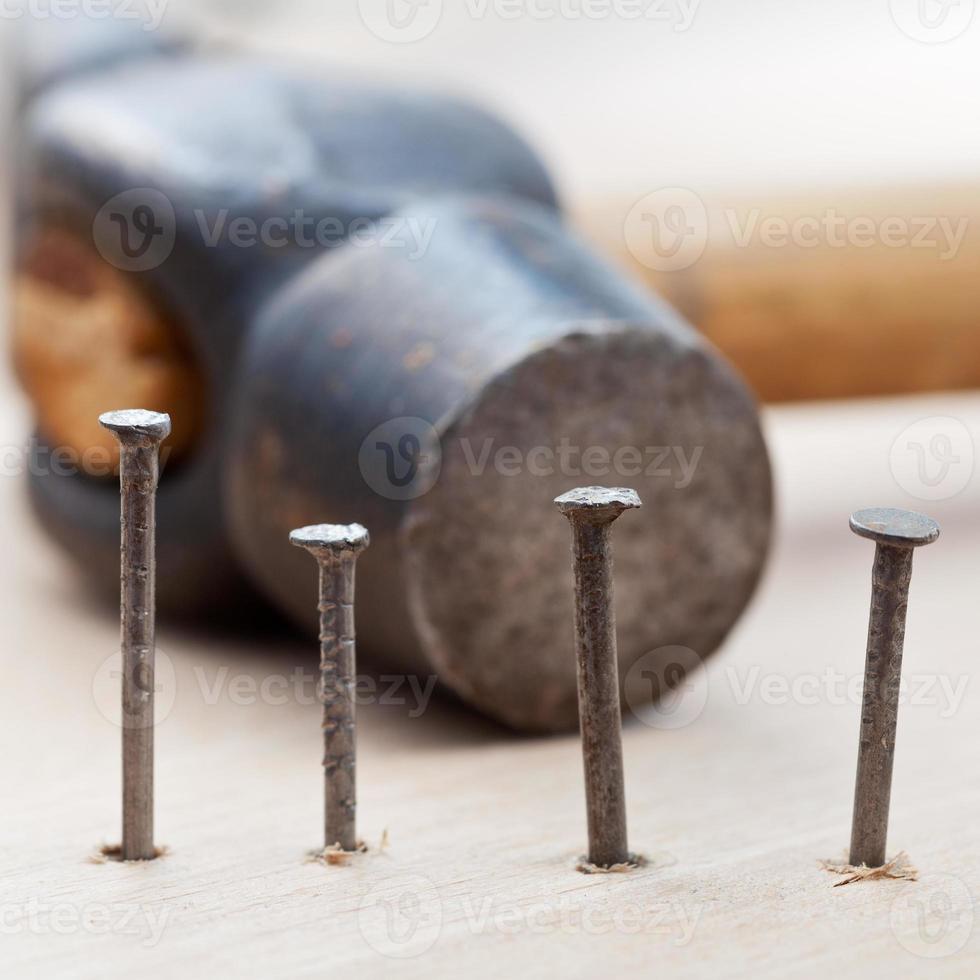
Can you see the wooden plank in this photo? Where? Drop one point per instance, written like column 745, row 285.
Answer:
column 735, row 808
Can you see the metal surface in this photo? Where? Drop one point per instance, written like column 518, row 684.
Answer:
column 140, row 434
column 591, row 512
column 451, row 396
column 315, row 156
column 896, row 534
column 336, row 548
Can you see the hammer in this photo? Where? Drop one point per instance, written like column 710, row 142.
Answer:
column 442, row 389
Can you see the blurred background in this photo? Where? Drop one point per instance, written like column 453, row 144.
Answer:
column 798, row 180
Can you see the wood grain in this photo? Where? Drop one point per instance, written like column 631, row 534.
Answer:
column 827, row 293
column 735, row 808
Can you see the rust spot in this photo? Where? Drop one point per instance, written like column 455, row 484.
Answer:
column 419, row 356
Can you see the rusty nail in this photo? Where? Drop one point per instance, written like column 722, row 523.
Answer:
column 896, row 534
column 140, row 434
column 336, row 548
column 591, row 512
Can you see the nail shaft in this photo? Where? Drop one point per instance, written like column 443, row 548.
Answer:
column 140, row 435
column 335, row 549
column 879, row 714
column 591, row 512
column 896, row 534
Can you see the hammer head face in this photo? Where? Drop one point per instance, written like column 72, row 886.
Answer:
column 514, row 367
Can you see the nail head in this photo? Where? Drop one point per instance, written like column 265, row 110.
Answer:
column 136, row 424
column 902, row 528
column 333, row 539
column 597, row 504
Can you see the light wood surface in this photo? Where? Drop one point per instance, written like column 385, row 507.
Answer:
column 735, row 808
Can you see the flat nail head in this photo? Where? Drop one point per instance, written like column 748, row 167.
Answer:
column 597, row 505
column 900, row 528
column 136, row 426
column 331, row 539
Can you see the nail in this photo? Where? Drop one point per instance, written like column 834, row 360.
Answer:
column 591, row 511
column 336, row 548
column 140, row 434
column 896, row 534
